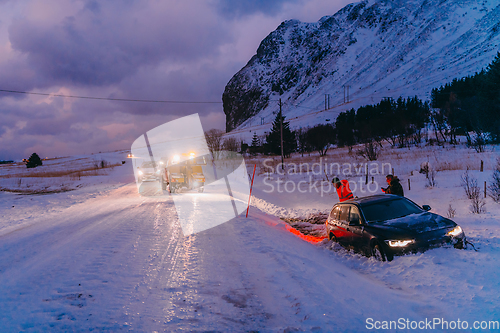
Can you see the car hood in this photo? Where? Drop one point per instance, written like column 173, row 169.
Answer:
column 420, row 223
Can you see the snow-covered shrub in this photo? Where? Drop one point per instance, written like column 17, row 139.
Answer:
column 467, row 183
column 473, row 193
column 479, row 142
column 494, row 188
column 452, row 212
column 370, row 151
column 477, row 202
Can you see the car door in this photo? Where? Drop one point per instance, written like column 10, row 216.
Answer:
column 356, row 227
column 343, row 234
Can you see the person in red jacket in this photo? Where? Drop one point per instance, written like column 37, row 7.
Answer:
column 343, row 189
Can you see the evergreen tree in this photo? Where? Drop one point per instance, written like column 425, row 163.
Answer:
column 34, row 161
column 274, row 138
column 470, row 104
column 256, row 146
column 255, row 140
column 345, row 124
column 493, row 74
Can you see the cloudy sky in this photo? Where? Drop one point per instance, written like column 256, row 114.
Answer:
column 129, row 49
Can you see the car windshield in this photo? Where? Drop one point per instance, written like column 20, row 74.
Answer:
column 390, row 209
column 148, row 165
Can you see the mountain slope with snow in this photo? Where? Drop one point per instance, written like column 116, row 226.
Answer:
column 365, row 52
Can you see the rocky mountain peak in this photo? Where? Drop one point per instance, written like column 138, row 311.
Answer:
column 375, row 49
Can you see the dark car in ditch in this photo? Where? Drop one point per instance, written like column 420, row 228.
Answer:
column 387, row 225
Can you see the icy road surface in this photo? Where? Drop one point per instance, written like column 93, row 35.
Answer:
column 117, row 261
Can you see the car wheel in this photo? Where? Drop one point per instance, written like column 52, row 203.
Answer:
column 332, row 237
column 378, row 252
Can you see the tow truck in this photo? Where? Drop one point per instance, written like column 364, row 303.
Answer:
column 184, row 172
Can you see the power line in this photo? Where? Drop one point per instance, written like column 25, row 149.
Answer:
column 109, row 99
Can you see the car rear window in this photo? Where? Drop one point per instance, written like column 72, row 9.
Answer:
column 388, row 210
column 334, row 215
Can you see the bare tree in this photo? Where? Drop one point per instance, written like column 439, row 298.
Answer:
column 452, row 212
column 231, row 144
column 473, row 193
column 214, row 141
column 369, row 152
column 467, row 183
column 494, row 188
column 431, row 178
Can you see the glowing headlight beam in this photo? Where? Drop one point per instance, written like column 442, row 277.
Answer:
column 400, row 243
column 456, row 231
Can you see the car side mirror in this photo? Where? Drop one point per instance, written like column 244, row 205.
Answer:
column 426, row 208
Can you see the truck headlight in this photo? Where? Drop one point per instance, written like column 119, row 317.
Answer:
column 455, row 232
column 400, row 243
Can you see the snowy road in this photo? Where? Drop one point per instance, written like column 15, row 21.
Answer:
column 117, row 261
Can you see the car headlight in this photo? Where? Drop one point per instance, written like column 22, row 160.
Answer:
column 139, row 172
column 455, row 232
column 399, row 243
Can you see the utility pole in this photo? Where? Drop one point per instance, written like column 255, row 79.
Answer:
column 346, row 89
column 281, row 135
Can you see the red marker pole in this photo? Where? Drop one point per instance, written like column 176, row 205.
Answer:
column 250, row 196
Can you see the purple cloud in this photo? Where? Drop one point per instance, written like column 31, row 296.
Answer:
column 159, row 50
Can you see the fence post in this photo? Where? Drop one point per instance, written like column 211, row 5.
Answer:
column 409, row 185
column 482, row 165
column 485, row 188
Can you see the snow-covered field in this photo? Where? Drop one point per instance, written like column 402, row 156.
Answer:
column 101, row 257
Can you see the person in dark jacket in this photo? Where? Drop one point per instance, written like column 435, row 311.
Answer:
column 394, row 186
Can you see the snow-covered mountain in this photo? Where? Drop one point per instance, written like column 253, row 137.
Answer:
column 365, row 52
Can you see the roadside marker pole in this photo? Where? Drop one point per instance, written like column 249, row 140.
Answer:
column 250, row 196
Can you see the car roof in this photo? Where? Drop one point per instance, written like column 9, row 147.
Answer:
column 372, row 199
